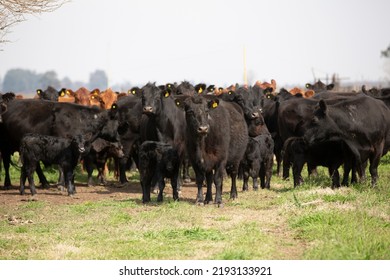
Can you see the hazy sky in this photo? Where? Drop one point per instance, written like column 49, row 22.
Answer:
column 204, row 40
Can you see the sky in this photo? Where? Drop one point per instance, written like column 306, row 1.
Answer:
column 143, row 41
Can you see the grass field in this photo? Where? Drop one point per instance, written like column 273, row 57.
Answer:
column 309, row 222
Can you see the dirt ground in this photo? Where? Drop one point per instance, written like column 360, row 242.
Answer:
column 113, row 190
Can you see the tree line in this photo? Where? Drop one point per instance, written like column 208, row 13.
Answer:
column 27, row 81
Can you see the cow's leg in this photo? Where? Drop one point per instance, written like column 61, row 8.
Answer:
column 374, row 162
column 297, row 171
column 30, row 175
column 245, row 186
column 161, row 186
column 69, row 180
column 42, row 177
column 199, row 177
column 61, row 178
column 88, row 166
column 23, row 177
column 334, row 173
column 233, row 190
column 174, row 182
column 145, row 184
column 218, row 180
column 268, row 172
column 347, row 170
column 209, row 186
column 6, row 163
column 286, row 166
column 262, row 176
column 122, row 169
column 186, row 170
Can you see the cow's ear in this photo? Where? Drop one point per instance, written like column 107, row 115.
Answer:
column 210, row 88
column 62, row 92
column 39, row 92
column 212, row 104
column 268, row 90
column 179, row 102
column 167, row 92
column 114, row 106
column 134, row 91
column 323, row 107
column 330, row 86
column 200, row 88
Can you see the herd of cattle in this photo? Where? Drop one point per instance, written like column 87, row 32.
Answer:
column 165, row 129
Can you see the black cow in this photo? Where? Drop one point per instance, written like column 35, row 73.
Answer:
column 100, row 151
column 217, row 137
column 295, row 114
column 361, row 124
column 50, row 150
column 331, row 154
column 319, row 86
column 55, row 119
column 159, row 105
column 134, row 128
column 163, row 159
column 49, row 94
column 258, row 161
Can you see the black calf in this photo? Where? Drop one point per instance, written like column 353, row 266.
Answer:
column 50, row 150
column 158, row 161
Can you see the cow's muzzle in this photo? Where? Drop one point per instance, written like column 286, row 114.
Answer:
column 203, row 129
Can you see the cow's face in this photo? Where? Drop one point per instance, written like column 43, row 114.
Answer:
column 197, row 114
column 151, row 99
column 109, row 130
column 322, row 128
column 80, row 142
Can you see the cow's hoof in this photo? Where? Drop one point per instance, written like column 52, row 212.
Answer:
column 200, row 203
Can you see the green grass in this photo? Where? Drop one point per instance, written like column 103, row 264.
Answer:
column 309, row 222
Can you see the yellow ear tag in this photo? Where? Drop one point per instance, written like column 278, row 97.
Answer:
column 62, row 93
column 215, row 105
column 230, row 92
column 177, row 103
column 68, row 92
column 166, row 94
column 200, row 90
column 39, row 92
column 93, row 97
column 133, row 91
column 113, row 107
column 169, row 85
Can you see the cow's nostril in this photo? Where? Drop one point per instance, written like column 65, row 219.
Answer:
column 148, row 109
column 203, row 129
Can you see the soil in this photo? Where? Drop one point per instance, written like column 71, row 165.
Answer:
column 112, row 190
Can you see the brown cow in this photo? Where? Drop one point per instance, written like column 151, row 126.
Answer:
column 94, row 97
column 305, row 93
column 107, row 98
column 266, row 85
column 82, row 96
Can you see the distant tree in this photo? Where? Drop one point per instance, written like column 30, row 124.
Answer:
column 14, row 11
column 49, row 79
column 386, row 52
column 20, row 80
column 98, row 79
